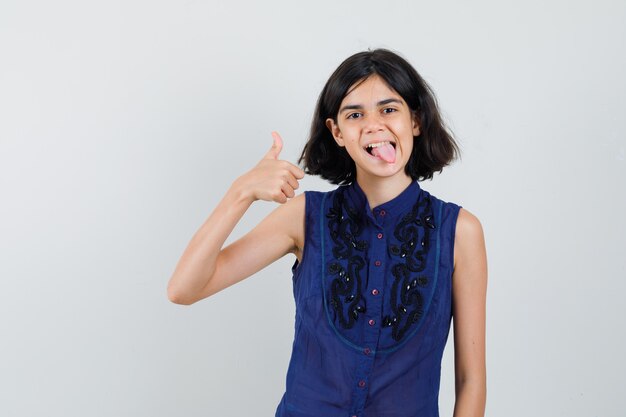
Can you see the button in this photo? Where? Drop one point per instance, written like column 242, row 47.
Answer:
column 377, row 263
column 380, row 235
column 382, row 212
column 374, row 291
column 371, row 322
column 367, row 351
column 362, row 383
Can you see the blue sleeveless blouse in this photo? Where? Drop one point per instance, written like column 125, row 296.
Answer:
column 373, row 296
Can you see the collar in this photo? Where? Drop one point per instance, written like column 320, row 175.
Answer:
column 386, row 212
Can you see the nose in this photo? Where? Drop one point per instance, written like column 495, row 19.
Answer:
column 374, row 123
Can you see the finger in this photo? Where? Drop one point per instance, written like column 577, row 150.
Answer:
column 288, row 191
column 277, row 146
column 292, row 181
column 295, row 170
column 280, row 197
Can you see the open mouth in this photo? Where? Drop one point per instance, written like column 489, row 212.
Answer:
column 384, row 151
column 369, row 148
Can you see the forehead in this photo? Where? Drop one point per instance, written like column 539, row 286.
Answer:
column 370, row 88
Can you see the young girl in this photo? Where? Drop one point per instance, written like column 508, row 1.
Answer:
column 382, row 265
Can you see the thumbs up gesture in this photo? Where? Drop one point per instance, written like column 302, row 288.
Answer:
column 271, row 179
column 277, row 146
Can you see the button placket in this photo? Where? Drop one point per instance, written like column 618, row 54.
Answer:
column 379, row 248
column 371, row 330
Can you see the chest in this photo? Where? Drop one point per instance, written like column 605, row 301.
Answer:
column 374, row 283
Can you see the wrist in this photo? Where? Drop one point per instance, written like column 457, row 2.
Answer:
column 240, row 192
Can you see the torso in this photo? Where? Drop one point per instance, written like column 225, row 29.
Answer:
column 386, row 338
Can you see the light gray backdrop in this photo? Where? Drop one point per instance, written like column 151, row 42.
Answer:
column 122, row 123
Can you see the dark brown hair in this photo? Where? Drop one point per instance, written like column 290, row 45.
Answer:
column 433, row 149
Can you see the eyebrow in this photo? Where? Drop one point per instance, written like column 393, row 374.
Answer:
column 360, row 107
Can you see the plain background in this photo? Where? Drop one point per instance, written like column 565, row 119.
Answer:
column 123, row 123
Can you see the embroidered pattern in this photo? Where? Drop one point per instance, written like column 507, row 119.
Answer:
column 347, row 288
column 407, row 302
column 410, row 291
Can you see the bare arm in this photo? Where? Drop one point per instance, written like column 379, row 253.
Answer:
column 469, row 289
column 205, row 268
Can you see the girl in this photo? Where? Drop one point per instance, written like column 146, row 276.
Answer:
column 382, row 265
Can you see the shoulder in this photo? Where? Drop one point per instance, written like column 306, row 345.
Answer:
column 294, row 208
column 285, row 217
column 303, row 203
column 468, row 225
column 469, row 241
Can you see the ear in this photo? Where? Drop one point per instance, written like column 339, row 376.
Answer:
column 416, row 126
column 334, row 130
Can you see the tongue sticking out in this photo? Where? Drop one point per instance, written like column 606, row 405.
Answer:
column 386, row 152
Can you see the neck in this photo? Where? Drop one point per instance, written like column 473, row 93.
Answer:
column 379, row 190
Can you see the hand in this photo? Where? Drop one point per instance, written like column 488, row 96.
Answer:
column 272, row 179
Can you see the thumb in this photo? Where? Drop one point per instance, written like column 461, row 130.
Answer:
column 277, row 146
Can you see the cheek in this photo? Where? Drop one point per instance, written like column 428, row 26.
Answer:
column 402, row 129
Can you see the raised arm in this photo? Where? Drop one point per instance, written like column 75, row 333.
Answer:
column 205, row 268
column 469, row 288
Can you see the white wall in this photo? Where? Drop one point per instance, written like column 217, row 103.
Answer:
column 122, row 123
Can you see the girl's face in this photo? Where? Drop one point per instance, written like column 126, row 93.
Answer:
column 374, row 114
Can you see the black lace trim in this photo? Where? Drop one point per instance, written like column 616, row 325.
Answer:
column 407, row 302
column 346, row 297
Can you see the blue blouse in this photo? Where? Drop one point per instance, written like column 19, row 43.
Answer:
column 373, row 298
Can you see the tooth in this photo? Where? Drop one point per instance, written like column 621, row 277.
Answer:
column 378, row 144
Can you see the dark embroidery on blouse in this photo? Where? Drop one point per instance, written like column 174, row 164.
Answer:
column 346, row 289
column 407, row 302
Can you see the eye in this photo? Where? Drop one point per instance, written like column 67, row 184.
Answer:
column 389, row 110
column 354, row 115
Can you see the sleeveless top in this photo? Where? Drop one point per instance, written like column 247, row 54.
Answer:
column 373, row 297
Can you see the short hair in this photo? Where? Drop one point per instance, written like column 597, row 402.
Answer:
column 433, row 149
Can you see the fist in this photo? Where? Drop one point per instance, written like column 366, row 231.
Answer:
column 273, row 179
